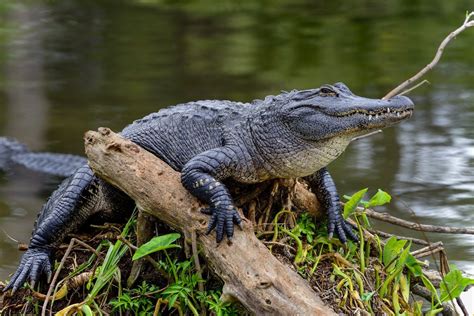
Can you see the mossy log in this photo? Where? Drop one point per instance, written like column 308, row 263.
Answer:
column 251, row 274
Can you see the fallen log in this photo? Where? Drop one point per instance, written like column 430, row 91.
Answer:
column 251, row 274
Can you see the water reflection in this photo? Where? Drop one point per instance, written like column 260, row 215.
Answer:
column 26, row 117
column 66, row 67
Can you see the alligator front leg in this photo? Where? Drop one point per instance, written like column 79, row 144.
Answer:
column 323, row 186
column 201, row 176
column 68, row 207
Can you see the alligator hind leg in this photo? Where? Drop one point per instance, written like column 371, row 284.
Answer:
column 323, row 186
column 67, row 208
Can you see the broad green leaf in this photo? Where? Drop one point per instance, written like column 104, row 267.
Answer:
column 354, row 200
column 413, row 265
column 453, row 285
column 380, row 198
column 157, row 244
column 391, row 250
column 403, row 257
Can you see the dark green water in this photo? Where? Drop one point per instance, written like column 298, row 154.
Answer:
column 70, row 66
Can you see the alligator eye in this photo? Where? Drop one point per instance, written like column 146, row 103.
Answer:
column 326, row 92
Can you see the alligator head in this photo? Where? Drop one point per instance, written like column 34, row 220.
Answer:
column 334, row 111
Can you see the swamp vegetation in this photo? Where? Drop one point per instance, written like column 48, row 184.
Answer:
column 377, row 276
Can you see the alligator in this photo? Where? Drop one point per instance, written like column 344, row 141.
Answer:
column 293, row 134
column 12, row 152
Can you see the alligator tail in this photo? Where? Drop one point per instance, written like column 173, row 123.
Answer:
column 14, row 152
column 62, row 165
column 8, row 148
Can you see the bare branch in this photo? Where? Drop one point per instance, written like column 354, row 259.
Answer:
column 420, row 227
column 428, row 250
column 467, row 23
column 388, row 235
column 414, row 87
column 367, row 135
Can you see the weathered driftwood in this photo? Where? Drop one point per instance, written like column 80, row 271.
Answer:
column 251, row 274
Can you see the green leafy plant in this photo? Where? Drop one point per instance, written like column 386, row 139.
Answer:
column 158, row 243
column 378, row 199
column 453, row 284
column 305, row 227
column 394, row 267
column 104, row 274
column 353, row 201
column 139, row 301
column 215, row 304
column 182, row 292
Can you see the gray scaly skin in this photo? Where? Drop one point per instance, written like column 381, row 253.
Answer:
column 294, row 134
column 14, row 152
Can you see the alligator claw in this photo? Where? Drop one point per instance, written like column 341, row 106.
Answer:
column 350, row 232
column 338, row 225
column 223, row 221
column 34, row 263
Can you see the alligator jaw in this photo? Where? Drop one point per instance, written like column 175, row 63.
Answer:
column 379, row 119
column 366, row 115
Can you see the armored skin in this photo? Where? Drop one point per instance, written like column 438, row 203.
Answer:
column 14, row 152
column 294, row 134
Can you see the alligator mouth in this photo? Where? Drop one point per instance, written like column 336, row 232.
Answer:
column 382, row 113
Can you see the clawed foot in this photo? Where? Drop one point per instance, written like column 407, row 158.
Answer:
column 33, row 264
column 338, row 225
column 223, row 220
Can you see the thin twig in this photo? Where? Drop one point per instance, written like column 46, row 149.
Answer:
column 424, row 249
column 462, row 306
column 366, row 135
column 388, row 235
column 56, row 274
column 430, row 252
column 251, row 212
column 467, row 23
column 443, row 258
column 10, row 237
column 277, row 243
column 187, row 249
column 419, row 227
column 198, row 267
column 83, row 244
column 414, row 87
column 269, row 206
column 127, row 243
